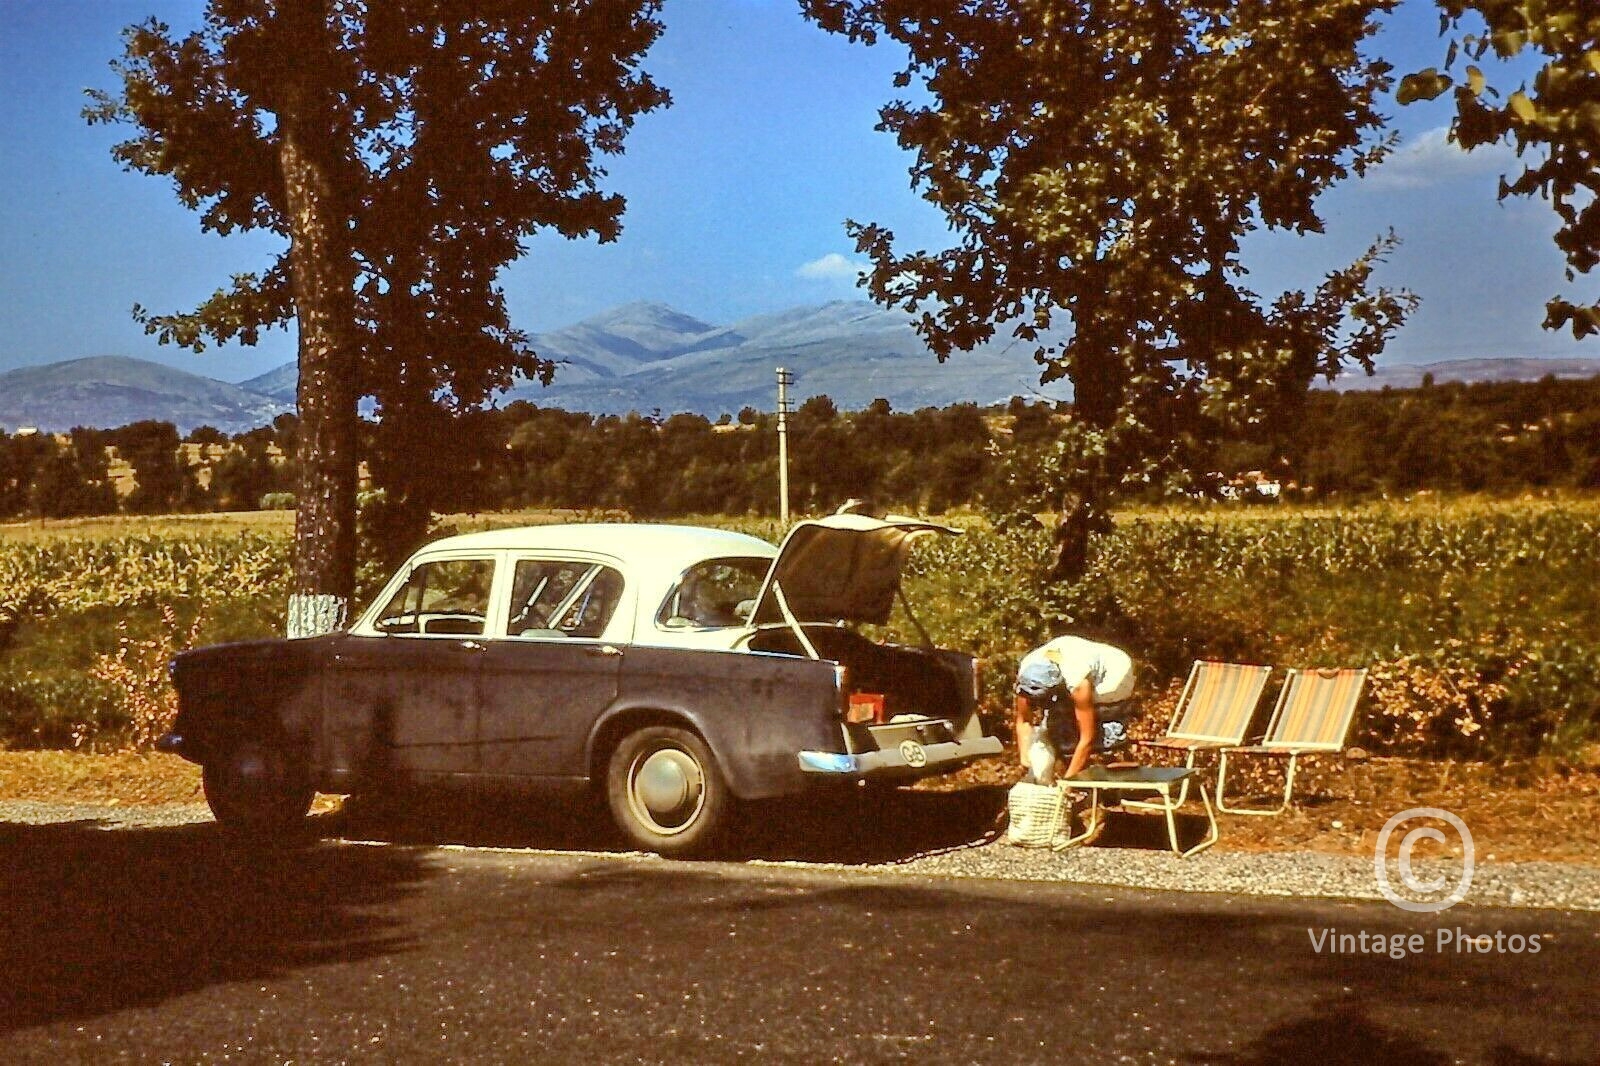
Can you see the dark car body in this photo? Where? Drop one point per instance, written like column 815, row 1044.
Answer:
column 545, row 655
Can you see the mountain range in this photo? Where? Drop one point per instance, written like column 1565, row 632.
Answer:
column 647, row 356
column 112, row 390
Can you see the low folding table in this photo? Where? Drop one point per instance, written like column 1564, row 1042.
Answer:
column 1162, row 780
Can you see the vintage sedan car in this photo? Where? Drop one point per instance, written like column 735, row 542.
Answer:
column 680, row 670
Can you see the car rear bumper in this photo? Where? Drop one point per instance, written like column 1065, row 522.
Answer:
column 910, row 758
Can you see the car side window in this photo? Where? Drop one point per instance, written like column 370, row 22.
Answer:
column 445, row 596
column 718, row 592
column 562, row 598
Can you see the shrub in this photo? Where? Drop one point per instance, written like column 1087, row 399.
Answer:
column 137, row 673
column 57, row 710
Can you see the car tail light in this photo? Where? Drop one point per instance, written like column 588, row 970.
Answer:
column 977, row 681
column 841, row 689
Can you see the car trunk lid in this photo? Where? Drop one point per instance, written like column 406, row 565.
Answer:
column 843, row 568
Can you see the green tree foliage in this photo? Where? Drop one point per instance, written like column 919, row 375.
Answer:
column 817, row 409
column 164, row 481
column 68, row 479
column 1498, row 438
column 1451, row 437
column 20, row 457
column 405, row 150
column 1099, row 162
column 686, row 465
column 1554, row 124
column 246, row 473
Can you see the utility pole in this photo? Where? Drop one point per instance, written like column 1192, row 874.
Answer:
column 785, row 379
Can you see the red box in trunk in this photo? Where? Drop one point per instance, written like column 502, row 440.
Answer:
column 865, row 707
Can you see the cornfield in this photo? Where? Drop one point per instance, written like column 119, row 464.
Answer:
column 1476, row 619
column 45, row 577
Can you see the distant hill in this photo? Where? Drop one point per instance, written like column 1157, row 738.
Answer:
column 113, row 390
column 648, row 356
column 851, row 351
column 1409, row 375
column 279, row 383
column 620, row 342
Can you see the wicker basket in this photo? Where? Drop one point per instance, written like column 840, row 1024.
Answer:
column 1037, row 815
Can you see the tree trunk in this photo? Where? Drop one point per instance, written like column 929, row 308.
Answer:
column 1081, row 520
column 323, row 282
column 1099, row 378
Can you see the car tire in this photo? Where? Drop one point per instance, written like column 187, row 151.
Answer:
column 666, row 793
column 256, row 787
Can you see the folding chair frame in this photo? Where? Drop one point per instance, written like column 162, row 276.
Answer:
column 1167, row 805
column 1288, row 781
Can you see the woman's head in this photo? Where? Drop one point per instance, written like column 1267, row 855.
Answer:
column 1040, row 682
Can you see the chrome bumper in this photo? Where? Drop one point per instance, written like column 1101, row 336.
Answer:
column 909, row 757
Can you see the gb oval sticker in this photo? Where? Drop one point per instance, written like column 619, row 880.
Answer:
column 913, row 754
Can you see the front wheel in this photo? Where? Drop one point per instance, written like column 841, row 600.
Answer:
column 665, row 791
column 256, row 787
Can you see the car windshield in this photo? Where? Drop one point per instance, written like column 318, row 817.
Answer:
column 715, row 593
column 448, row 596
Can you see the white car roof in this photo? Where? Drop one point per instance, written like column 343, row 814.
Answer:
column 666, row 546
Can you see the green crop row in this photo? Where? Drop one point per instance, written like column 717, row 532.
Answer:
column 43, row 577
column 1477, row 622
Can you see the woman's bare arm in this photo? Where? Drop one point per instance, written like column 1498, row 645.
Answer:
column 1022, row 723
column 1088, row 726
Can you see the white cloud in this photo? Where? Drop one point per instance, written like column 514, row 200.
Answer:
column 1431, row 158
column 831, row 267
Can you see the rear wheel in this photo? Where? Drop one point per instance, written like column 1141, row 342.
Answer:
column 666, row 792
column 256, row 787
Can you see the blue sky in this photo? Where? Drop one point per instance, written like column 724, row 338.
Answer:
column 737, row 196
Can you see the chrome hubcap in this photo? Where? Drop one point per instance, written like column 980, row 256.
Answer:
column 666, row 790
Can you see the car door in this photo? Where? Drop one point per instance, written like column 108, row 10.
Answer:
column 413, row 686
column 553, row 670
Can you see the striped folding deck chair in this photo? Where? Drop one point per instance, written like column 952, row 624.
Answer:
column 1313, row 715
column 1214, row 711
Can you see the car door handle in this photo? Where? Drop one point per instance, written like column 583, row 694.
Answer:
column 604, row 649
column 472, row 645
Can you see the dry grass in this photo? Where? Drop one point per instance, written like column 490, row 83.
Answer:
column 124, row 779
column 121, row 778
column 221, row 524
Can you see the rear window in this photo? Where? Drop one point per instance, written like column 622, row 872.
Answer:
column 715, row 593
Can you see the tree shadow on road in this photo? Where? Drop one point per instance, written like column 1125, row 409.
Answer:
column 1344, row 1036
column 94, row 921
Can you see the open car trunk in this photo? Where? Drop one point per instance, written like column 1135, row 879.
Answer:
column 912, row 711
column 922, row 694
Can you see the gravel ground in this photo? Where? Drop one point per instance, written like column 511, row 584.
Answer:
column 106, row 815
column 1566, row 886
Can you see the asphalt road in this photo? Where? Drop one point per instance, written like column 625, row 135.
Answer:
column 173, row 945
